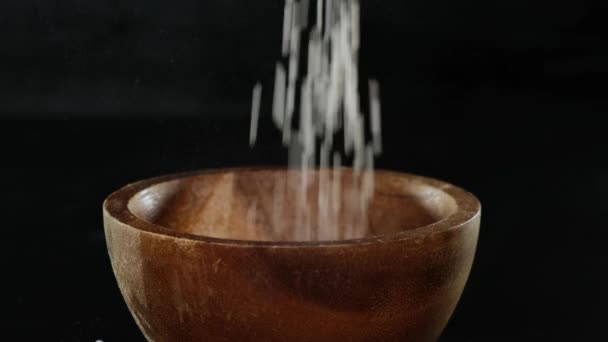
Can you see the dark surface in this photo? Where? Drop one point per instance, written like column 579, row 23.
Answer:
column 506, row 99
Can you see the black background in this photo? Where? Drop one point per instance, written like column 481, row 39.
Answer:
column 504, row 98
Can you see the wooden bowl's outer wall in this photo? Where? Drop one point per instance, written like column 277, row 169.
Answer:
column 402, row 288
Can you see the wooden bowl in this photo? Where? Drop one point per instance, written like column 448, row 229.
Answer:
column 192, row 268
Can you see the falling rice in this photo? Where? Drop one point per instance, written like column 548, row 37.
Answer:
column 255, row 113
column 324, row 81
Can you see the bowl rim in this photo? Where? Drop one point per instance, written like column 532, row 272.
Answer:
column 116, row 206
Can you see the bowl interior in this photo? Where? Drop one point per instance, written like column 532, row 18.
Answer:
column 265, row 205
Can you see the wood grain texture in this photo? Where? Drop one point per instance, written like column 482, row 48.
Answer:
column 190, row 272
